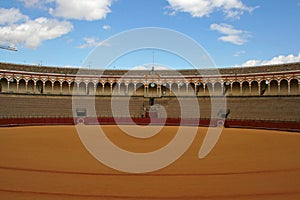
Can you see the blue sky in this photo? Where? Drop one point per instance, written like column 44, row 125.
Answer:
column 233, row 32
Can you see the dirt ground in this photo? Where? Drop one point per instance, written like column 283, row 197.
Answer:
column 51, row 163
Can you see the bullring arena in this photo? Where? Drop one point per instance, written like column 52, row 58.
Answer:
column 256, row 157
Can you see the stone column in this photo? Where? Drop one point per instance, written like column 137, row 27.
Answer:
column 69, row 89
column 126, row 89
column 250, row 89
column 95, row 89
column 146, row 90
column 241, row 89
column 34, row 86
column 134, row 89
column 52, row 87
column 26, row 86
column 187, row 88
column 87, row 88
column 17, row 86
column 222, row 88
column 43, row 85
column 8, row 82
column 61, row 88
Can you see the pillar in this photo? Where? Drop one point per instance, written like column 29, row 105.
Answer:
column 134, row 89
column 8, row 82
column 86, row 89
column 187, row 88
column 34, row 86
column 69, row 87
column 241, row 89
column 43, row 86
column 126, row 89
column 52, row 87
column 95, row 88
column 17, row 86
column 26, row 86
column 61, row 88
column 250, row 89
column 222, row 88
column 146, row 90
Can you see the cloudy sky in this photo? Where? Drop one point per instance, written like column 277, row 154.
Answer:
column 233, row 32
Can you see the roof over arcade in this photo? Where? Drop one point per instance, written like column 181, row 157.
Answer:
column 212, row 71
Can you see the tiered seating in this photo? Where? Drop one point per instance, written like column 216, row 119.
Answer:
column 264, row 108
column 253, row 108
column 34, row 106
column 241, row 108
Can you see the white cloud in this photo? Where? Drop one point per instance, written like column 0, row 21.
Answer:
column 92, row 42
column 10, row 16
column 276, row 60
column 89, row 42
column 73, row 9
column 36, row 3
column 202, row 8
column 232, row 35
column 106, row 27
column 81, row 10
column 250, row 63
column 149, row 67
column 30, row 3
column 140, row 67
column 236, row 54
column 32, row 32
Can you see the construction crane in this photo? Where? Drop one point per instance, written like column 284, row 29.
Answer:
column 8, row 48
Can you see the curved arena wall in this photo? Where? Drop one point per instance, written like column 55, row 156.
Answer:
column 264, row 97
column 270, row 112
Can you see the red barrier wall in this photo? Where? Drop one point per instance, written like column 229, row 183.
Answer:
column 287, row 126
column 274, row 125
column 36, row 121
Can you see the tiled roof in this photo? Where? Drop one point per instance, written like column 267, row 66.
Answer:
column 229, row 71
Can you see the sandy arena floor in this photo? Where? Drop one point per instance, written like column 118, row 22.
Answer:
column 51, row 163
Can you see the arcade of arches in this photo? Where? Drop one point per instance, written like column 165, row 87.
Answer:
column 228, row 85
